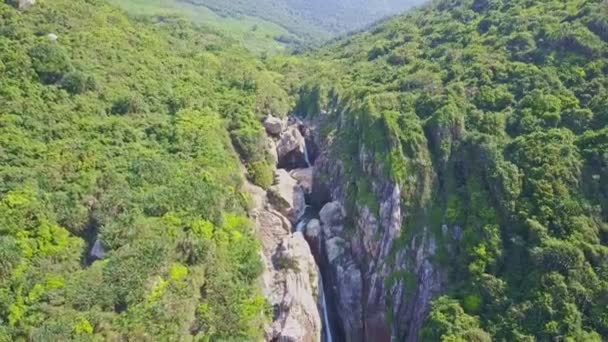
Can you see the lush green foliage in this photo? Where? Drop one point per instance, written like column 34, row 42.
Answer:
column 123, row 131
column 491, row 115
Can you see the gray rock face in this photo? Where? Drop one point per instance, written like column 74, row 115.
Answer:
column 291, row 291
column 332, row 215
column 291, row 149
column 361, row 257
column 287, row 196
column 23, row 4
column 298, row 316
column 304, row 178
column 273, row 125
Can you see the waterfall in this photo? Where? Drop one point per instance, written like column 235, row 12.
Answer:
column 300, row 226
column 308, row 163
column 328, row 337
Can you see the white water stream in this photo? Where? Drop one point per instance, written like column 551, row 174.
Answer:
column 300, row 228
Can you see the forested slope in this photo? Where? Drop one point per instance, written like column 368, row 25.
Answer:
column 460, row 156
column 120, row 135
column 270, row 25
column 488, row 119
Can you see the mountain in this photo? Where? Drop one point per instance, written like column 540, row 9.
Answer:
column 463, row 149
column 121, row 214
column 268, row 25
column 308, row 18
column 438, row 176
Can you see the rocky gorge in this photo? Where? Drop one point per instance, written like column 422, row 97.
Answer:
column 292, row 281
column 369, row 280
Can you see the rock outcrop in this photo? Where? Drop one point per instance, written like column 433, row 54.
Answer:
column 358, row 245
column 290, row 277
column 298, row 316
column 304, row 178
column 291, row 149
column 24, row 4
column 290, row 282
column 287, row 196
column 273, row 125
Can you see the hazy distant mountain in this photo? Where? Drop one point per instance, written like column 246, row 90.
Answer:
column 269, row 26
column 312, row 19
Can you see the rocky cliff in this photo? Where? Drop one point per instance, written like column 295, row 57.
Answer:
column 290, row 279
column 379, row 267
column 291, row 282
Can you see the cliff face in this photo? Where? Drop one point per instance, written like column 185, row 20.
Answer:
column 380, row 268
column 290, row 279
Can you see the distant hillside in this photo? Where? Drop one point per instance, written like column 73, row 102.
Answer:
column 309, row 18
column 271, row 25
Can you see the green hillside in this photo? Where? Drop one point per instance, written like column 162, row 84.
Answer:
column 492, row 117
column 270, row 26
column 260, row 36
column 463, row 147
column 123, row 132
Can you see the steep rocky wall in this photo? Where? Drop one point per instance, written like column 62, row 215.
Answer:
column 380, row 273
column 290, row 281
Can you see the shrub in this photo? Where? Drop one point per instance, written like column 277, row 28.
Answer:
column 77, row 83
column 127, row 105
column 261, row 174
column 287, row 263
column 50, row 62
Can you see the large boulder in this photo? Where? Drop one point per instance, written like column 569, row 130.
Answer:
column 304, row 178
column 287, row 196
column 291, row 149
column 23, row 4
column 313, row 236
column 274, row 125
column 332, row 218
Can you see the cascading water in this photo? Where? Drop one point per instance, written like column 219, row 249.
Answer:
column 306, row 158
column 300, row 226
column 326, row 324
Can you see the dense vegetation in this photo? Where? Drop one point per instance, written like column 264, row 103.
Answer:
column 492, row 115
column 122, row 131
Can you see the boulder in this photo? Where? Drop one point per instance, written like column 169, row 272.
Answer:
column 332, row 217
column 274, row 125
column 52, row 37
column 287, row 196
column 291, row 149
column 291, row 291
column 304, row 178
column 313, row 236
column 23, row 4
